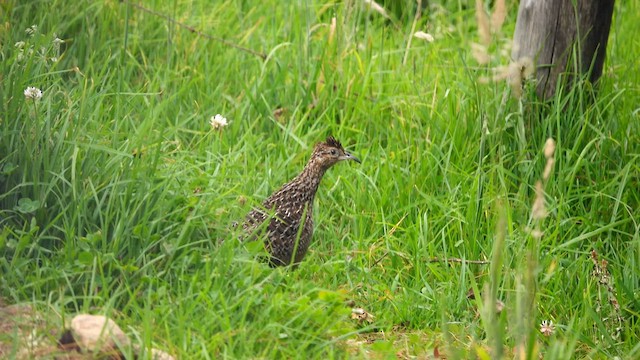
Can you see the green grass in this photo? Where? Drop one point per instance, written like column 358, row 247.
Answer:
column 116, row 194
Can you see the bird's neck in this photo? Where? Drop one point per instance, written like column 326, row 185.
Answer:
column 311, row 176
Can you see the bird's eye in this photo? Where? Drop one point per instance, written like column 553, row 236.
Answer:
column 334, row 152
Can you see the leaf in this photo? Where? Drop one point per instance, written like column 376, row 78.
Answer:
column 482, row 353
column 85, row 258
column 4, row 235
column 255, row 247
column 27, row 206
column 8, row 168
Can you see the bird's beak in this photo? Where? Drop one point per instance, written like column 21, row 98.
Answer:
column 348, row 156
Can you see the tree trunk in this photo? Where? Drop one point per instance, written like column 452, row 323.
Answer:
column 546, row 32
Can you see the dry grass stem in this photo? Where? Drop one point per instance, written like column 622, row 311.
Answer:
column 377, row 8
column 498, row 16
column 479, row 52
column 549, row 150
column 484, row 29
column 332, row 29
column 538, row 210
column 516, row 75
column 548, row 168
column 535, row 233
column 458, row 260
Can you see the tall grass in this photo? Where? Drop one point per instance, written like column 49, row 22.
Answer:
column 117, row 195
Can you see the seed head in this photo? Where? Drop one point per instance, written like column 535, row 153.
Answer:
column 549, row 148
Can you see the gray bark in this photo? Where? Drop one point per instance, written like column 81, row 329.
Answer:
column 546, row 32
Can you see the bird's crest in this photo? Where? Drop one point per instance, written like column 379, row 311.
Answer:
column 331, row 141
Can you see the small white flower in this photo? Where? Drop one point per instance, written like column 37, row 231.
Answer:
column 56, row 44
column 218, row 122
column 32, row 30
column 32, row 93
column 547, row 328
column 424, row 36
column 19, row 44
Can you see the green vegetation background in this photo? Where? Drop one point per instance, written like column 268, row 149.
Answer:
column 116, row 193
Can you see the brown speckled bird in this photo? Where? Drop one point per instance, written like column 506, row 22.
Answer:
column 291, row 207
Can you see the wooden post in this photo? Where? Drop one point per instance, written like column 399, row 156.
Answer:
column 547, row 30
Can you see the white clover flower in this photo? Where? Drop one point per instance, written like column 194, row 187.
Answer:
column 56, row 43
column 33, row 93
column 32, row 30
column 20, row 44
column 424, row 36
column 547, row 328
column 218, row 122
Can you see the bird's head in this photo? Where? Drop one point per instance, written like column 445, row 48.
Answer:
column 329, row 152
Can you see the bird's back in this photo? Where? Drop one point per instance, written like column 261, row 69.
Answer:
column 279, row 221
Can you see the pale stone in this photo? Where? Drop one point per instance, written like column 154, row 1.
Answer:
column 96, row 333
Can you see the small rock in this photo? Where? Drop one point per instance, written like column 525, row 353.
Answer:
column 155, row 354
column 361, row 316
column 160, row 355
column 96, row 333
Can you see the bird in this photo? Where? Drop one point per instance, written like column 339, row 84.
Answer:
column 285, row 219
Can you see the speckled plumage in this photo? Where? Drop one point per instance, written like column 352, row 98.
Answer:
column 291, row 207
